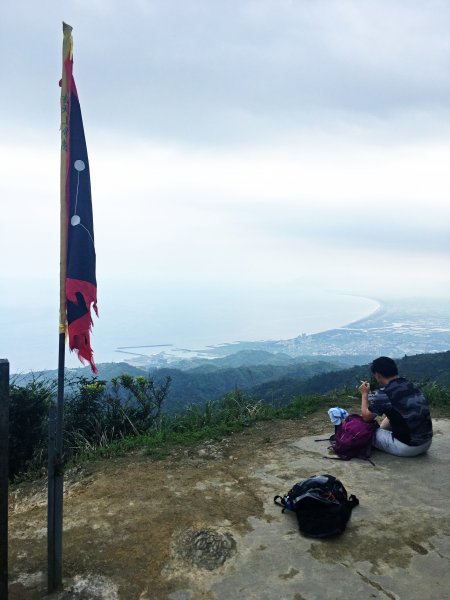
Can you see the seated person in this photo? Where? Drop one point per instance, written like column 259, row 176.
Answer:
column 406, row 429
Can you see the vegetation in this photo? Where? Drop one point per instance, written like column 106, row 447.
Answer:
column 438, row 397
column 270, row 382
column 203, row 383
column 28, row 435
column 105, row 419
column 95, row 416
column 421, row 368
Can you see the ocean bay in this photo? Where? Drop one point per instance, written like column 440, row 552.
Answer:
column 178, row 316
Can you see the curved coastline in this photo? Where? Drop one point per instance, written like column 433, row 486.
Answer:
column 229, row 345
column 376, row 310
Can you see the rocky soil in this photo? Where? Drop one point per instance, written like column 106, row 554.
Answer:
column 138, row 528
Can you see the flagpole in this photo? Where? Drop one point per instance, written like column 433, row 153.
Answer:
column 56, row 473
column 4, row 468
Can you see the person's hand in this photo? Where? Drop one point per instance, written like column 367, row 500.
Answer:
column 364, row 388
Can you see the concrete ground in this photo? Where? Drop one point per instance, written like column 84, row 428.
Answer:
column 242, row 547
column 396, row 544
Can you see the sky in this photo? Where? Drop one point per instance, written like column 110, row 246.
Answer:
column 236, row 149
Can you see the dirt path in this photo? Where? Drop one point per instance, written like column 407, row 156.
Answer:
column 121, row 515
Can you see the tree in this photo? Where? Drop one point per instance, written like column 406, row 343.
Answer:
column 148, row 396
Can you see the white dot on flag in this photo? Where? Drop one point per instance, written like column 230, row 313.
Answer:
column 79, row 165
column 75, row 220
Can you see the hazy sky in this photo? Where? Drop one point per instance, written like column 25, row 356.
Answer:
column 233, row 143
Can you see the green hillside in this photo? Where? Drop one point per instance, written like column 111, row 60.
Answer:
column 102, row 417
column 106, row 371
column 277, row 382
column 419, row 368
column 202, row 384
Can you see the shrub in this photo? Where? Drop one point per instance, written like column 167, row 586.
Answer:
column 437, row 395
column 28, row 426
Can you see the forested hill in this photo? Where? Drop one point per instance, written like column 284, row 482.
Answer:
column 202, row 384
column 418, row 368
column 270, row 383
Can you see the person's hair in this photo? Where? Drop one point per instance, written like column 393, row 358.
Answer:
column 385, row 366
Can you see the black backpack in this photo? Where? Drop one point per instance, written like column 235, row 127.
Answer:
column 321, row 505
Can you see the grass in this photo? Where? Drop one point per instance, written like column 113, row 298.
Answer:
column 438, row 398
column 216, row 420
column 212, row 422
column 235, row 412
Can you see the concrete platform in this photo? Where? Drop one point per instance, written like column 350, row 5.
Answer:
column 396, row 544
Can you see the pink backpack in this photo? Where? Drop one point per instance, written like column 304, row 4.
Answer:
column 353, row 438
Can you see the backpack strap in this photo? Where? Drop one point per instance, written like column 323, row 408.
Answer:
column 328, row 439
column 282, row 503
column 352, row 501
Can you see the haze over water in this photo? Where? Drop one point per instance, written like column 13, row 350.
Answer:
column 179, row 316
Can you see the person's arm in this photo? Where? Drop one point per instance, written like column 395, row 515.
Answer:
column 386, row 424
column 366, row 414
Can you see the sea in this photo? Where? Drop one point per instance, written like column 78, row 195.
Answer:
column 174, row 318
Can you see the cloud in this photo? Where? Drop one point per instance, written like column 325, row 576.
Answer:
column 230, row 72
column 249, row 214
column 241, row 142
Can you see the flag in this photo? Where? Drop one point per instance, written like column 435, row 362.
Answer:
column 80, row 281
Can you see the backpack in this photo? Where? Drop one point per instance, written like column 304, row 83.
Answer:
column 353, row 438
column 321, row 505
